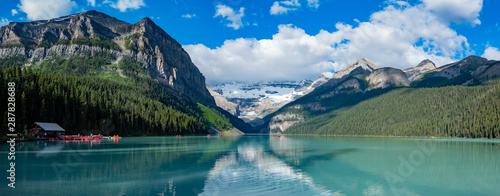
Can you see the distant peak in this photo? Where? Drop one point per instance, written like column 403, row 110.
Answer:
column 146, row 20
column 94, row 13
column 425, row 62
column 362, row 59
column 474, row 57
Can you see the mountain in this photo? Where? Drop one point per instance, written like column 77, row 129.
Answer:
column 472, row 70
column 360, row 66
column 94, row 33
column 361, row 63
column 251, row 101
column 449, row 111
column 93, row 73
column 424, row 66
column 384, row 102
column 359, row 77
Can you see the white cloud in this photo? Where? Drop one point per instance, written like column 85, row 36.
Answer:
column 458, row 11
column 38, row 10
column 398, row 36
column 91, row 3
column 124, row 5
column 277, row 9
column 400, row 3
column 492, row 53
column 283, row 7
column 14, row 12
column 290, row 54
column 291, row 3
column 313, row 3
column 229, row 14
column 188, row 15
column 4, row 21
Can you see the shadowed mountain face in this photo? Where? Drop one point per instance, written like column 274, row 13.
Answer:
column 359, row 77
column 93, row 33
column 362, row 75
column 472, row 70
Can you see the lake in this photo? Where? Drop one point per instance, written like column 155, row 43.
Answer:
column 256, row 165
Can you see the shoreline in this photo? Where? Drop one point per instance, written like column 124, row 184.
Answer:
column 328, row 135
column 387, row 136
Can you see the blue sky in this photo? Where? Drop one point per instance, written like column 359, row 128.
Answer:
column 248, row 40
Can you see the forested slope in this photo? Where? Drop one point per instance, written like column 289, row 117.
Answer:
column 451, row 111
column 88, row 104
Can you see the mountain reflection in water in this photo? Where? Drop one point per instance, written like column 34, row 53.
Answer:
column 252, row 171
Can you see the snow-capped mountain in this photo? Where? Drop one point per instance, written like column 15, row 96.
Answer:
column 278, row 91
column 254, row 100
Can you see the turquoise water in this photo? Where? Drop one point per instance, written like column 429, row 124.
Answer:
column 256, row 165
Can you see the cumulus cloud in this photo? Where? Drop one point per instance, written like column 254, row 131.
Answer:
column 91, row 3
column 124, row 5
column 398, row 36
column 491, row 53
column 188, row 15
column 233, row 19
column 313, row 3
column 290, row 54
column 283, row 7
column 4, row 21
column 277, row 9
column 14, row 12
column 39, row 10
column 458, row 11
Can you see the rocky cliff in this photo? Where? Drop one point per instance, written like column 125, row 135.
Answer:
column 422, row 67
column 93, row 32
column 386, row 77
column 223, row 103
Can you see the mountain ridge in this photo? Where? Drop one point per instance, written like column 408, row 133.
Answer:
column 360, row 85
column 472, row 70
column 361, row 62
column 424, row 66
column 95, row 32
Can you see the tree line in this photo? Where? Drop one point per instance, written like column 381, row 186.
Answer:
column 86, row 104
column 451, row 111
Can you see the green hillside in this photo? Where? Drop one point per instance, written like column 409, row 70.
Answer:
column 451, row 111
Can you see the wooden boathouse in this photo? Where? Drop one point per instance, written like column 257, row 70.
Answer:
column 47, row 129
